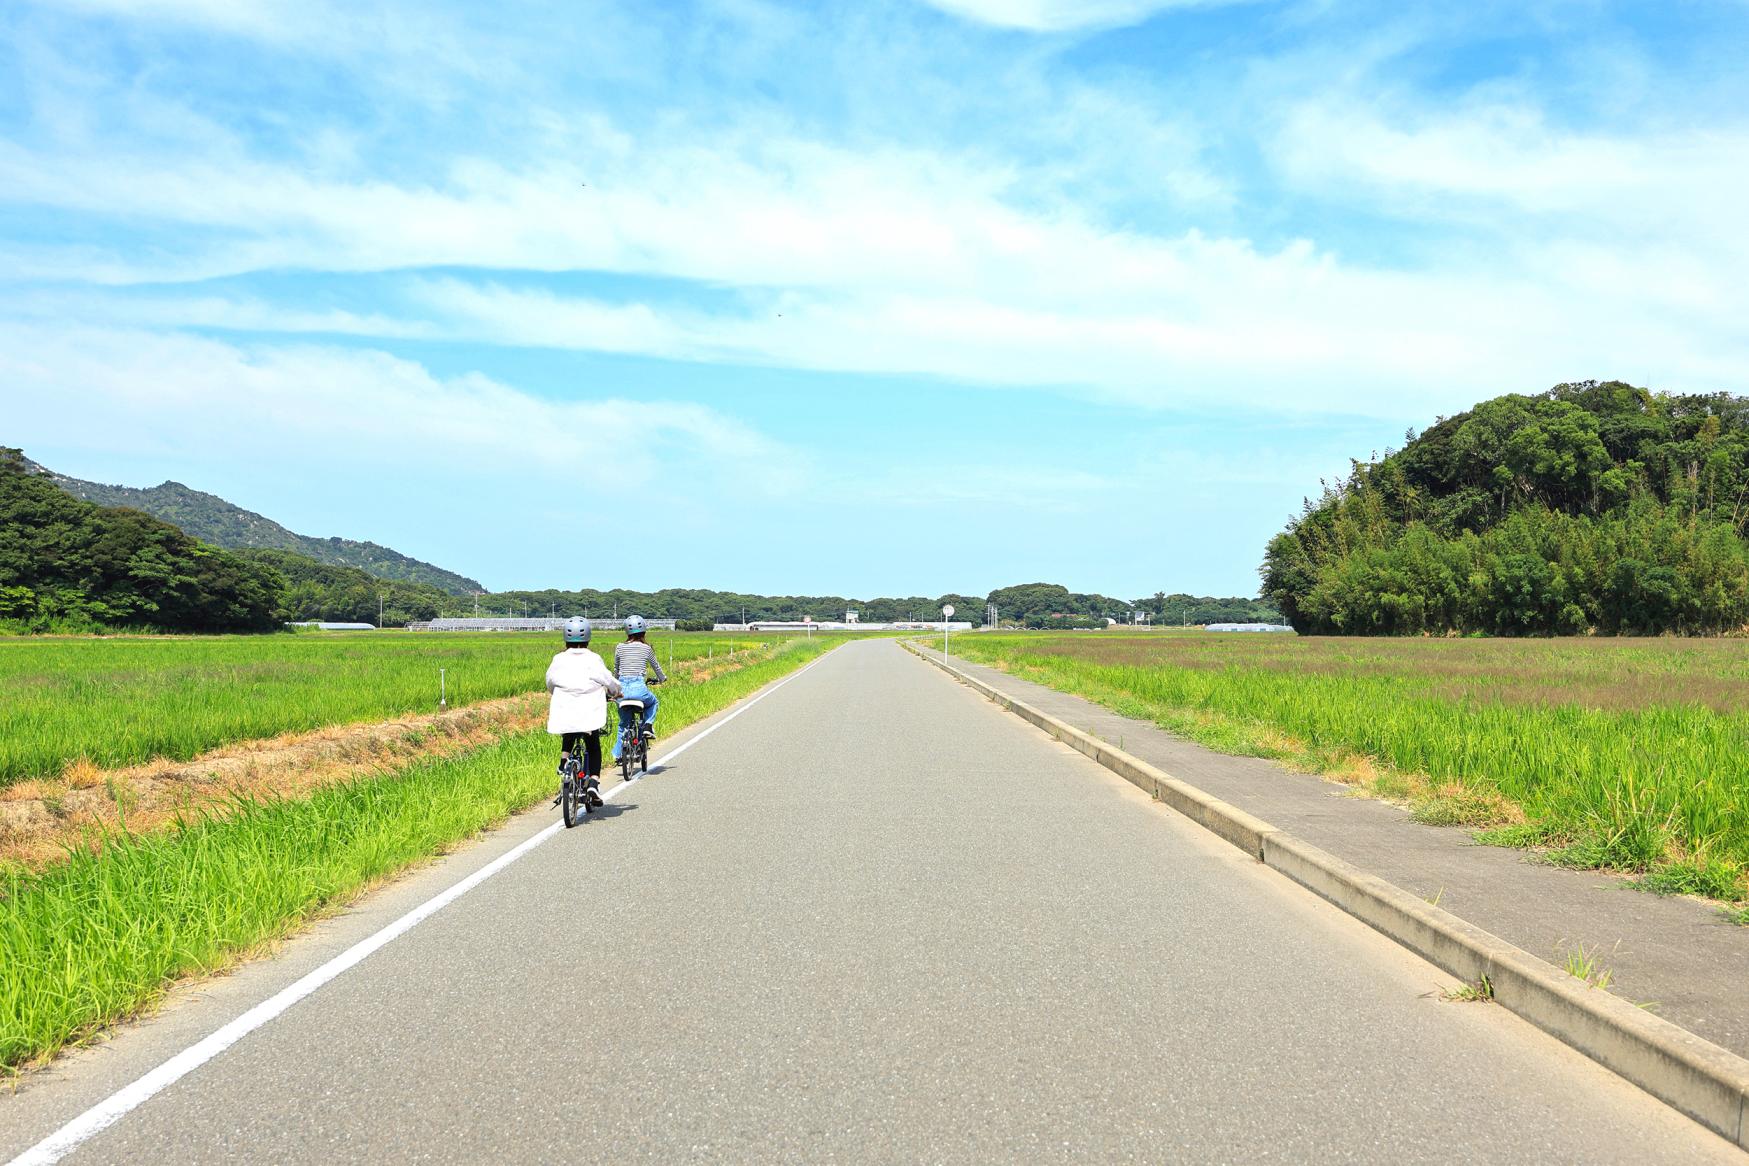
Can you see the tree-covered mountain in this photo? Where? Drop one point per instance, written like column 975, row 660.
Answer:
column 1591, row 507
column 69, row 565
column 224, row 524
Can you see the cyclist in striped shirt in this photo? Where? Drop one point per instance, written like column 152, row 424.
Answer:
column 635, row 663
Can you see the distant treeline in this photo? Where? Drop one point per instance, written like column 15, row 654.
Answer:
column 321, row 591
column 1592, row 507
column 1039, row 605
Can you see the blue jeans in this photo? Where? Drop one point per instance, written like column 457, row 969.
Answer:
column 635, row 690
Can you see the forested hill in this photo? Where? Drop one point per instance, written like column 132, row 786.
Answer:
column 224, row 524
column 67, row 565
column 1591, row 507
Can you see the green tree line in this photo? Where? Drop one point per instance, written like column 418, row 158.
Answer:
column 321, row 591
column 1039, row 605
column 1593, row 507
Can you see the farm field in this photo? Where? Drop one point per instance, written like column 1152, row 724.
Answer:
column 101, row 935
column 121, row 700
column 1621, row 753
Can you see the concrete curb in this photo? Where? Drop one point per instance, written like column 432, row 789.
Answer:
column 1704, row 1081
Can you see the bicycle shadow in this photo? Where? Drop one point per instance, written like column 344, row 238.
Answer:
column 607, row 810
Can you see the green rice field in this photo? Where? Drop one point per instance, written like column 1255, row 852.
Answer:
column 1620, row 753
column 100, row 936
column 117, row 701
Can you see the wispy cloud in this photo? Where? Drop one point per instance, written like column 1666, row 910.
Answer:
column 361, row 413
column 1063, row 15
column 894, row 258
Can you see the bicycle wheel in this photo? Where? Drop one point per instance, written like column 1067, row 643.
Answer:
column 628, row 757
column 571, row 791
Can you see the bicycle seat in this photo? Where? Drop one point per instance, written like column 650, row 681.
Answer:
column 630, row 702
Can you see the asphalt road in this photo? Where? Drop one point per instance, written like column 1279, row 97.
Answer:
column 872, row 919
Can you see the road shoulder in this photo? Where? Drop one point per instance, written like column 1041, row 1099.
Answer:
column 1699, row 1077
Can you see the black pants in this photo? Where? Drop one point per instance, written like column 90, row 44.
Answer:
column 591, row 750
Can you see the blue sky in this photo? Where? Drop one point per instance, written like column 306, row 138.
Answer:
column 866, row 298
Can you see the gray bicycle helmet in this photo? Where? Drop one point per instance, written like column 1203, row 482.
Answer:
column 576, row 630
column 634, row 624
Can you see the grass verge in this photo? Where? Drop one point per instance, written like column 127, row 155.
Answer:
column 124, row 701
column 1604, row 754
column 102, row 936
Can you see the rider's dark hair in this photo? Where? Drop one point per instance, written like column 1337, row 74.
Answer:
column 634, row 635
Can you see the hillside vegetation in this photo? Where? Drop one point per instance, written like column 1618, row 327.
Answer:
column 67, row 564
column 224, row 524
column 1591, row 507
column 322, row 591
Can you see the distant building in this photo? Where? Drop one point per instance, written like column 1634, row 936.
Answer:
column 1247, row 627
column 542, row 623
column 323, row 626
column 792, row 625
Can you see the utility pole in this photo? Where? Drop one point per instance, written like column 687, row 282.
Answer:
column 379, row 611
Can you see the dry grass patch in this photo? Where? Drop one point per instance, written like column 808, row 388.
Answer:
column 44, row 820
column 1453, row 804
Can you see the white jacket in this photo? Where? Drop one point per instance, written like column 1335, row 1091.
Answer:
column 580, row 684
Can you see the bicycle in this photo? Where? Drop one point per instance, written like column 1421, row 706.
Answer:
column 577, row 790
column 634, row 738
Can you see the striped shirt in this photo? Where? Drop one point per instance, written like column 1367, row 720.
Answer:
column 632, row 657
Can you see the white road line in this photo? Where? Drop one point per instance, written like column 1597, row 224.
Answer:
column 110, row 1110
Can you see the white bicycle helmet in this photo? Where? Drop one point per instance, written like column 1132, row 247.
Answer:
column 634, row 624
column 576, row 630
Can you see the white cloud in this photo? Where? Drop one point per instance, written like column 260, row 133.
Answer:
column 364, row 415
column 1062, row 15
column 248, row 17
column 1481, row 161
column 1552, row 254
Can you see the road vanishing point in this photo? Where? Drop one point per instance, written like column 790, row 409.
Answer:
column 869, row 918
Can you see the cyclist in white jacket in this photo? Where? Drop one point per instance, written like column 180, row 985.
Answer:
column 580, row 685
